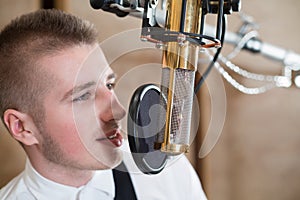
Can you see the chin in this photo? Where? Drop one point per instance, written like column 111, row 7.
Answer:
column 112, row 160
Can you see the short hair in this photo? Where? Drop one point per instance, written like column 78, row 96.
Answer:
column 28, row 38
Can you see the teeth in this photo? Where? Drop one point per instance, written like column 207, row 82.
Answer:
column 112, row 136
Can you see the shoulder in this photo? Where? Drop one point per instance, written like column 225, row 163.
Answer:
column 182, row 168
column 180, row 164
column 15, row 189
column 178, row 180
column 180, row 171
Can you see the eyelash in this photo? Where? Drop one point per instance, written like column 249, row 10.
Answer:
column 87, row 95
column 83, row 97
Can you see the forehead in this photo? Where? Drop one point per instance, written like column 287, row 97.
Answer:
column 77, row 64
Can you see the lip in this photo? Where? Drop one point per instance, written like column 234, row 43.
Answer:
column 113, row 136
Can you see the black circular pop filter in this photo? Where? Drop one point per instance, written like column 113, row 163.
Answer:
column 142, row 129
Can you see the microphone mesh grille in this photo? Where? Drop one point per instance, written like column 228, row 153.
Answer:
column 181, row 104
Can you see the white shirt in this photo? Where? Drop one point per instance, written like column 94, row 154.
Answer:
column 177, row 181
column 31, row 185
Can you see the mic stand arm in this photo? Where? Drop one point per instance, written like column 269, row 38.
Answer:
column 255, row 45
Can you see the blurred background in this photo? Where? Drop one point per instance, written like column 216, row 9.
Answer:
column 257, row 154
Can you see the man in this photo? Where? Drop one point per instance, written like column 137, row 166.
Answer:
column 57, row 100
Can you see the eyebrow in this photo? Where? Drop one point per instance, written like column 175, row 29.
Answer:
column 79, row 88
column 111, row 76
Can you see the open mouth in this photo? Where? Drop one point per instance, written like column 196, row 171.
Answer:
column 114, row 137
column 111, row 137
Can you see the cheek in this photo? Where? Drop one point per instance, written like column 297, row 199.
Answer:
column 69, row 139
column 63, row 130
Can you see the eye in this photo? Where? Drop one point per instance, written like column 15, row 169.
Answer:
column 110, row 86
column 83, row 97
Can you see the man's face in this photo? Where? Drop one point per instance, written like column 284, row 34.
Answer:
column 82, row 114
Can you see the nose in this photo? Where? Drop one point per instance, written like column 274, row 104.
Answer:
column 111, row 109
column 117, row 109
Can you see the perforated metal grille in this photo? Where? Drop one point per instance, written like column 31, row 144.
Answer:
column 182, row 104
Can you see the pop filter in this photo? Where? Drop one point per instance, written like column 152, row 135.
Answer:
column 143, row 128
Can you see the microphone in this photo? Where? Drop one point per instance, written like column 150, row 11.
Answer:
column 159, row 118
column 182, row 40
column 157, row 132
column 179, row 63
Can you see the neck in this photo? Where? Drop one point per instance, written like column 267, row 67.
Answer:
column 61, row 174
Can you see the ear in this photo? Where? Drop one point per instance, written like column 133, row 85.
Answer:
column 21, row 126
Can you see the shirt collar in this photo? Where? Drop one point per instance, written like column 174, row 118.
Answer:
column 103, row 180
column 39, row 185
